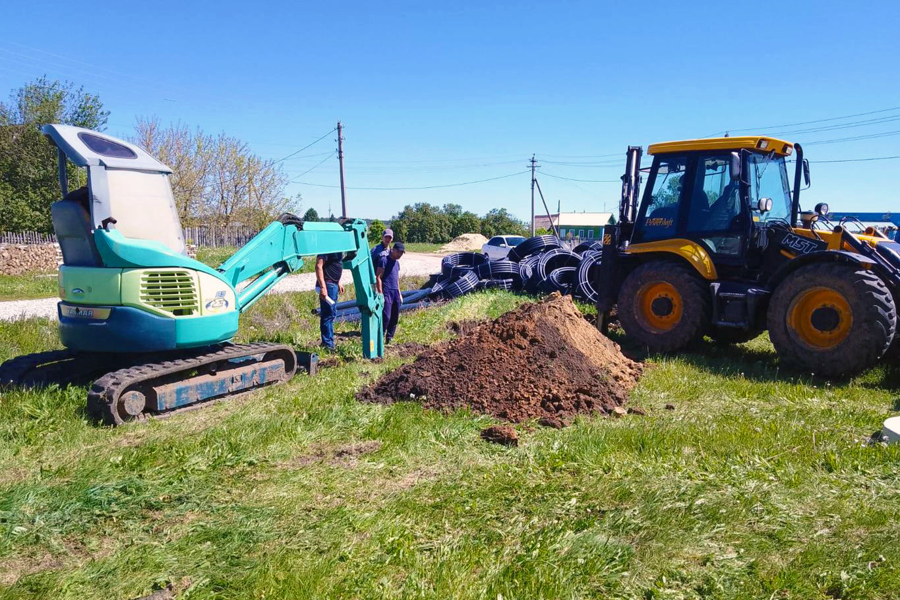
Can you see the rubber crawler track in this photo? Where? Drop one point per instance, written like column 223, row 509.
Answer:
column 105, row 392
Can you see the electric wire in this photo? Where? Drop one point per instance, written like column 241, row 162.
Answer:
column 581, row 180
column 319, row 164
column 862, row 114
column 427, row 187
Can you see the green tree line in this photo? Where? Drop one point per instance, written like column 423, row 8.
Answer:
column 423, row 222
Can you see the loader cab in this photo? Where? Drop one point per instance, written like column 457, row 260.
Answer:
column 127, row 189
column 716, row 193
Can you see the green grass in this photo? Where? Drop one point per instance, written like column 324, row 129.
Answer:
column 758, row 485
column 422, row 247
column 29, row 286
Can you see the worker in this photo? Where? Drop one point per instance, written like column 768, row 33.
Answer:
column 387, row 280
column 328, row 284
column 382, row 248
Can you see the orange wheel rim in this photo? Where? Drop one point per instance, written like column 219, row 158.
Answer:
column 820, row 317
column 659, row 306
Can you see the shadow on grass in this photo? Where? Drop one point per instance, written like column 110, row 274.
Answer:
column 756, row 362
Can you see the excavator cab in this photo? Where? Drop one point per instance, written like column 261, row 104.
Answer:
column 717, row 247
column 127, row 189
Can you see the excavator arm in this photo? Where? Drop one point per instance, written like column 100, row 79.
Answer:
column 277, row 251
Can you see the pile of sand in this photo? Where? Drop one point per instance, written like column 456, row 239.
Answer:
column 542, row 360
column 465, row 242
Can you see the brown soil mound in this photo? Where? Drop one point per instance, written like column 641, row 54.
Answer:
column 541, row 361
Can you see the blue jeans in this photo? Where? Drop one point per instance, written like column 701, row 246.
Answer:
column 326, row 315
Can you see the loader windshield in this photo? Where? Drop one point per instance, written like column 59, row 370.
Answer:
column 144, row 208
column 769, row 179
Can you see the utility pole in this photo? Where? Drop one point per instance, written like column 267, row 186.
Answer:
column 340, row 141
column 533, row 167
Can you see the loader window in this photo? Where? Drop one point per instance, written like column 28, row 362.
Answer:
column 715, row 211
column 769, row 179
column 715, row 203
column 659, row 216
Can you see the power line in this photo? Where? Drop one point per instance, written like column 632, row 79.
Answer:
column 583, row 180
column 851, row 125
column 856, row 159
column 304, row 147
column 427, row 187
column 855, row 138
column 863, row 114
column 322, row 162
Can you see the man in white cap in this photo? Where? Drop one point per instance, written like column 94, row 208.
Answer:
column 383, row 248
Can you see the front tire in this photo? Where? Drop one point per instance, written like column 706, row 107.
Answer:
column 664, row 306
column 833, row 319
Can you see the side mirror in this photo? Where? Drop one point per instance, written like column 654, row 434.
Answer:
column 504, row 246
column 806, row 171
column 821, row 209
column 764, row 205
column 735, row 166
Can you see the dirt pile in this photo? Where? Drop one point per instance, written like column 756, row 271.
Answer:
column 464, row 242
column 542, row 361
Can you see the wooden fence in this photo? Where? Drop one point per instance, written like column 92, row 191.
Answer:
column 27, row 237
column 216, row 237
column 205, row 236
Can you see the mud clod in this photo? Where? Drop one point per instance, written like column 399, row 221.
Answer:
column 500, row 434
column 542, row 360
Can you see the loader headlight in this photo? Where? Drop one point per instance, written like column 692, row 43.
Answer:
column 764, row 205
column 822, row 209
column 762, row 144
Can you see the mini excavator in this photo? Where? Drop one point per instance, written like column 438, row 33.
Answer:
column 154, row 324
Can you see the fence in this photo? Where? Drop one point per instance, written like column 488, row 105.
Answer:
column 212, row 236
column 205, row 236
column 27, row 237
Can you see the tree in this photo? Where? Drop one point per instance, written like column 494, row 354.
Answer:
column 311, row 215
column 188, row 154
column 467, row 222
column 216, row 179
column 28, row 164
column 499, row 222
column 421, row 222
column 376, row 230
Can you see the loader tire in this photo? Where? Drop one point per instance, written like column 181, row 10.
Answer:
column 832, row 319
column 664, row 306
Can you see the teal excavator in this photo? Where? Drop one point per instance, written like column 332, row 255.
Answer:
column 152, row 324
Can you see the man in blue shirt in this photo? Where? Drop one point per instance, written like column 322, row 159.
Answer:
column 328, row 283
column 383, row 248
column 387, row 281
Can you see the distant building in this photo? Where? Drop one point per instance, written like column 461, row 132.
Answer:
column 581, row 226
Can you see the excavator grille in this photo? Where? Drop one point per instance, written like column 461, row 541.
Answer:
column 174, row 292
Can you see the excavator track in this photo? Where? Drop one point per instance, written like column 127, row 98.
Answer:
column 160, row 388
column 60, row 367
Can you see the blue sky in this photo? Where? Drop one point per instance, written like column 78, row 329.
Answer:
column 443, row 93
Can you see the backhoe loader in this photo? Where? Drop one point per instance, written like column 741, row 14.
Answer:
column 718, row 246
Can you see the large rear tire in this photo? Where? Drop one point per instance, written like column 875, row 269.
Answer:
column 664, row 306
column 832, row 319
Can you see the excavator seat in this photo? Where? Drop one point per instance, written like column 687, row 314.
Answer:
column 72, row 224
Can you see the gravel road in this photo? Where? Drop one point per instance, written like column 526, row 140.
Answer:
column 411, row 265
